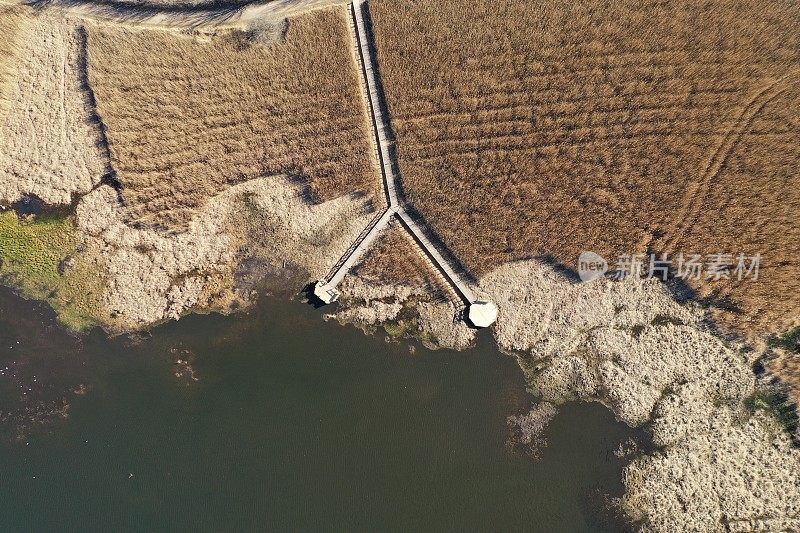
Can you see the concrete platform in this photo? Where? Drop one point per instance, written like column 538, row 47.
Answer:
column 482, row 314
column 326, row 292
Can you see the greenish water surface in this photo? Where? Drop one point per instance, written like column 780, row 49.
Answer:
column 289, row 423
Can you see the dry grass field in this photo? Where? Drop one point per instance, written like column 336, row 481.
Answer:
column 752, row 204
column 51, row 142
column 541, row 129
column 12, row 27
column 395, row 259
column 186, row 118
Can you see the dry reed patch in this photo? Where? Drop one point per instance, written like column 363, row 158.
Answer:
column 786, row 367
column 727, row 472
column 542, row 130
column 50, row 140
column 395, row 259
column 751, row 205
column 721, row 461
column 13, row 26
column 281, row 226
column 186, row 119
column 153, row 277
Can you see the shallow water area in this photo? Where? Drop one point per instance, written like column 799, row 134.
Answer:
column 275, row 419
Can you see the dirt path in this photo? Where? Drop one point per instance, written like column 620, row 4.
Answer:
column 177, row 19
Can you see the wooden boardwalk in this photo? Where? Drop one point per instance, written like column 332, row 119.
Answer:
column 389, row 178
column 369, row 80
column 353, row 256
column 441, row 264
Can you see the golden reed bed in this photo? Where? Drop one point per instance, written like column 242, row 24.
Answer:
column 540, row 129
column 186, row 119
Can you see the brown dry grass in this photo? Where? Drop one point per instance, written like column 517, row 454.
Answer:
column 13, row 24
column 186, row 119
column 545, row 129
column 395, row 259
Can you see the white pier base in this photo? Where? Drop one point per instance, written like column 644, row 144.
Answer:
column 482, row 314
column 326, row 293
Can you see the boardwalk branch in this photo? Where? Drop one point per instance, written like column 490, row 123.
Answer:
column 481, row 313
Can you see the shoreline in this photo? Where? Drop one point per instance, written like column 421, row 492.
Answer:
column 568, row 390
column 267, row 306
column 605, row 342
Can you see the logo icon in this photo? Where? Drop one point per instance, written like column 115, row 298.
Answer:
column 591, row 266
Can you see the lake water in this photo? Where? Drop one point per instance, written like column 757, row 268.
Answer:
column 289, row 423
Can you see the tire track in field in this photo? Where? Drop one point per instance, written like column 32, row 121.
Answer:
column 697, row 190
column 514, row 134
column 531, row 101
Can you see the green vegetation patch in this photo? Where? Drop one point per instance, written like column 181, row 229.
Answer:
column 399, row 328
column 777, row 404
column 789, row 341
column 32, row 250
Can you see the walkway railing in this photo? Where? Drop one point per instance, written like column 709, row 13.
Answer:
column 326, row 289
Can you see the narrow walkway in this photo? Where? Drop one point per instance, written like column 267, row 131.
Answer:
column 370, row 82
column 214, row 18
column 480, row 313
